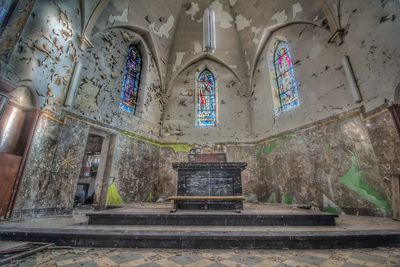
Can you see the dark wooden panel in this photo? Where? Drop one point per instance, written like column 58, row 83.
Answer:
column 9, row 166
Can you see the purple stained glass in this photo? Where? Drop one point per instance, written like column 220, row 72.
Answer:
column 287, row 84
column 206, row 102
column 6, row 8
column 130, row 85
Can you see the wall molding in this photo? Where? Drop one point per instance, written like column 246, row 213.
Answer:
column 186, row 147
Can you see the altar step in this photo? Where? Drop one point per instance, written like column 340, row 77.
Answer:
column 200, row 218
column 110, row 237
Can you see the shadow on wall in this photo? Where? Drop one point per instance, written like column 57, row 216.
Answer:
column 397, row 94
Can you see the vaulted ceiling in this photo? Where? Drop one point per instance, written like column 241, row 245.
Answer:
column 173, row 29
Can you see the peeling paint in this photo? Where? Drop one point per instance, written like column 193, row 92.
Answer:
column 255, row 31
column 193, row 9
column 164, row 28
column 123, row 18
column 232, row 3
column 242, row 22
column 197, row 47
column 280, row 17
column 178, row 60
column 224, row 18
column 296, row 8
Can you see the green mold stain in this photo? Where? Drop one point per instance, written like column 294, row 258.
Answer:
column 267, row 150
column 331, row 209
column 287, row 199
column 354, row 181
column 113, row 197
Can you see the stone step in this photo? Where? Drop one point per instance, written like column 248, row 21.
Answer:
column 205, row 239
column 212, row 219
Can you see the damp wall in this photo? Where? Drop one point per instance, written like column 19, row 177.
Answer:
column 336, row 163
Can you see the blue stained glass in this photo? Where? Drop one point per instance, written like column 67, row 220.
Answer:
column 287, row 84
column 130, row 85
column 206, row 102
column 6, row 8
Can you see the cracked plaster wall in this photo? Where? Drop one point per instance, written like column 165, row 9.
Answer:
column 159, row 18
column 188, row 40
column 323, row 87
column 233, row 118
column 47, row 49
column 101, row 81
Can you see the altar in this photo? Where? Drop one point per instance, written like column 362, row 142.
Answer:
column 214, row 179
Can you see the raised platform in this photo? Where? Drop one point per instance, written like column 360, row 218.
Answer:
column 349, row 232
column 266, row 216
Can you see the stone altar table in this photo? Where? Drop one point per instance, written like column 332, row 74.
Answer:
column 209, row 179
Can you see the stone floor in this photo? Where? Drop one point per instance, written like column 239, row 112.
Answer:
column 238, row 258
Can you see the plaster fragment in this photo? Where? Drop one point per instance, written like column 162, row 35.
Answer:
column 296, row 9
column 192, row 10
column 280, row 17
column 164, row 28
column 197, row 48
column 255, row 31
column 224, row 18
column 242, row 22
column 178, row 60
column 121, row 18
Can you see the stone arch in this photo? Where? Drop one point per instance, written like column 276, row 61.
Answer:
column 204, row 56
column 267, row 35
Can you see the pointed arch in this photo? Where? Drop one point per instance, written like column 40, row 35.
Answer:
column 131, row 82
column 287, row 88
column 206, row 104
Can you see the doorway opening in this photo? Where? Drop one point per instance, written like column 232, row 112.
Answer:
column 91, row 188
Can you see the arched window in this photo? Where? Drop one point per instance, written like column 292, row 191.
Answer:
column 206, row 103
column 286, row 80
column 130, row 85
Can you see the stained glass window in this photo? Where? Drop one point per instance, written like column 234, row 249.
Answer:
column 287, row 84
column 206, row 103
column 130, row 85
column 6, row 8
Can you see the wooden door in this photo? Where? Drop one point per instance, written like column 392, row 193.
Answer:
column 9, row 166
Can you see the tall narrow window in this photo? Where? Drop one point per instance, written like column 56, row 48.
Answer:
column 130, row 85
column 6, row 9
column 286, row 80
column 206, row 103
